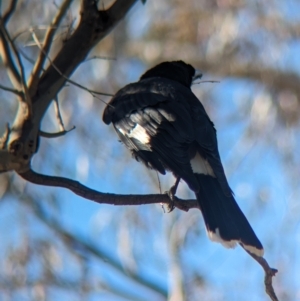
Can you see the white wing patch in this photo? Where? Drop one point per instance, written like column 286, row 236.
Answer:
column 137, row 132
column 200, row 165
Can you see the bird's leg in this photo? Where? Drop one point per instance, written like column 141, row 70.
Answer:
column 171, row 193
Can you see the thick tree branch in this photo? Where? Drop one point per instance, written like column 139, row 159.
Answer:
column 119, row 9
column 105, row 198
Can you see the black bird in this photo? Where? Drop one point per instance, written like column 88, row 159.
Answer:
column 166, row 127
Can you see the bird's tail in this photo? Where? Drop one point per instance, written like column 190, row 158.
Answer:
column 224, row 220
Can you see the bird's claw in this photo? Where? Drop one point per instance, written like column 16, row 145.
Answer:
column 171, row 194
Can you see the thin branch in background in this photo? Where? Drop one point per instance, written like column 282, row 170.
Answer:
column 55, row 135
column 92, row 92
column 19, row 93
column 244, row 150
column 8, row 61
column 207, row 81
column 176, row 286
column 99, row 57
column 38, row 27
column 27, row 98
column 58, row 115
column 158, row 181
column 38, row 67
column 160, row 191
column 72, row 241
column 10, row 11
column 66, row 78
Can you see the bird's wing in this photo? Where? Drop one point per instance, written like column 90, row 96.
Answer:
column 172, row 138
column 205, row 134
column 158, row 130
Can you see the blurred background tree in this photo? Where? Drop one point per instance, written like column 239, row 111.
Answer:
column 55, row 245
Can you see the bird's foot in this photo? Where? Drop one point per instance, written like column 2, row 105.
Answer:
column 171, row 194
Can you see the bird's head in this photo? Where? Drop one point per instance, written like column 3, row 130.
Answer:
column 176, row 70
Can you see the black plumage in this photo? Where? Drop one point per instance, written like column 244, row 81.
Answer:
column 166, row 127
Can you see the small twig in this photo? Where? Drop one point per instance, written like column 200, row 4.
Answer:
column 105, row 198
column 38, row 27
column 55, row 135
column 38, row 67
column 92, row 92
column 100, row 58
column 58, row 115
column 269, row 274
column 158, row 181
column 19, row 93
column 160, row 191
column 8, row 61
column 21, row 68
column 66, row 78
column 207, row 81
column 17, row 55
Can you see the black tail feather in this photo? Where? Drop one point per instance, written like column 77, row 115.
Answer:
column 224, row 220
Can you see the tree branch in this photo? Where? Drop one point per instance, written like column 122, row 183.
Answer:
column 58, row 116
column 55, row 135
column 94, row 26
column 105, row 198
column 92, row 92
column 23, row 139
column 10, row 11
column 119, row 9
column 11, row 90
column 38, row 67
column 4, row 138
column 64, row 76
column 269, row 274
column 8, row 62
column 21, row 79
